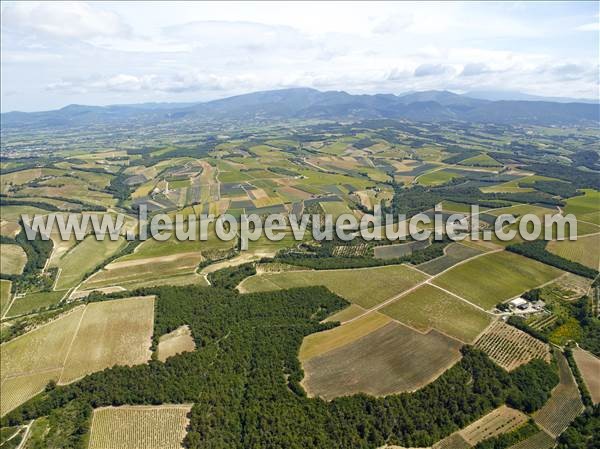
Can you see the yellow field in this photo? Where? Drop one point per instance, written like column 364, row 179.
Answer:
column 139, row 427
column 30, row 361
column 111, row 333
column 12, row 259
column 175, row 342
column 501, row 420
column 82, row 341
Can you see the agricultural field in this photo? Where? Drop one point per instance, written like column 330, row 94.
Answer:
column 12, row 259
column 366, row 287
column 32, row 302
column 516, row 185
column 5, row 295
column 110, row 333
column 399, row 250
column 428, row 308
column 83, row 258
column 349, row 313
column 584, row 250
column 81, row 341
column 436, row 177
column 390, row 359
column 133, row 273
column 501, row 420
column 136, row 427
column 540, row 440
column 493, row 278
column 589, row 367
column 30, row 361
column 453, row 254
column 509, row 347
column 316, row 344
column 402, row 331
column 585, row 207
column 175, row 342
column 564, row 405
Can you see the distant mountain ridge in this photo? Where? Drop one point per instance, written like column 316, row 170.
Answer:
column 307, row 103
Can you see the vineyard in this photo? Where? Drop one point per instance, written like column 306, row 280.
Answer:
column 564, row 405
column 509, row 347
column 501, row 420
column 351, row 250
column 542, row 322
column 147, row 427
column 454, row 441
column 540, row 440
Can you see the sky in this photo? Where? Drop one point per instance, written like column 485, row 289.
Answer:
column 59, row 53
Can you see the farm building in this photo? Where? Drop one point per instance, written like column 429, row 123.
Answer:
column 519, row 303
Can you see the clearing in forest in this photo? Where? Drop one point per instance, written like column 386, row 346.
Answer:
column 135, row 427
column 175, row 342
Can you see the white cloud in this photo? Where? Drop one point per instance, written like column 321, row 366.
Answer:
column 56, row 53
column 63, row 20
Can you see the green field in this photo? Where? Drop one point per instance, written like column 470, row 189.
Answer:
column 83, row 258
column 585, row 207
column 437, row 177
column 483, row 160
column 365, row 287
column 431, row 308
column 35, row 301
column 5, row 287
column 12, row 259
column 494, row 278
column 585, row 250
column 335, row 208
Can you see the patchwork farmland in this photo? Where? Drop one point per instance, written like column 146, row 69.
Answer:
column 249, row 351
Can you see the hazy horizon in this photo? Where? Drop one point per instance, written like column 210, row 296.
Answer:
column 104, row 53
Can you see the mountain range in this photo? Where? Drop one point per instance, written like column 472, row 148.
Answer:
column 306, row 103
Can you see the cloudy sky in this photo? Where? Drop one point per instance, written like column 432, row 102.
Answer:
column 58, row 53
